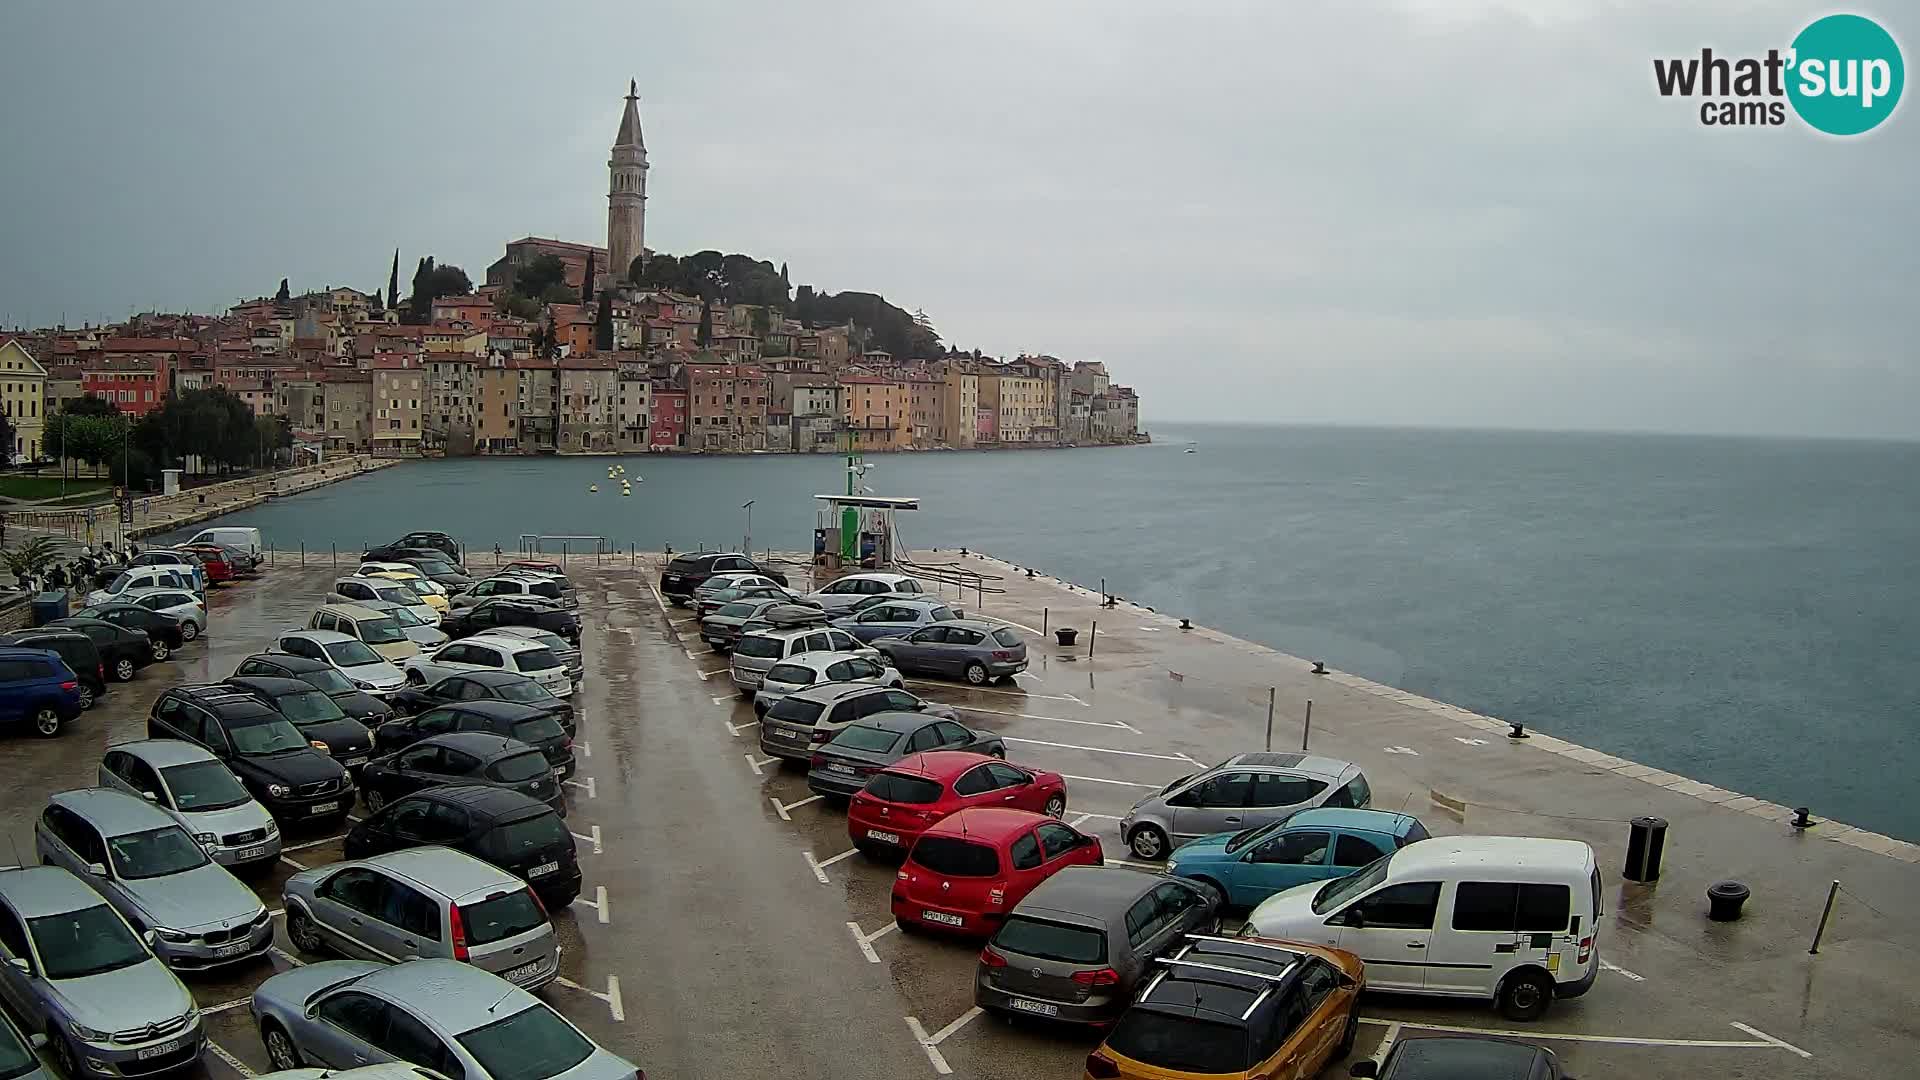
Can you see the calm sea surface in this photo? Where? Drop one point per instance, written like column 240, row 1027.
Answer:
column 1745, row 612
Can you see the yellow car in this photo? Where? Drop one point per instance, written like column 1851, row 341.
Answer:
column 1236, row 1009
column 429, row 593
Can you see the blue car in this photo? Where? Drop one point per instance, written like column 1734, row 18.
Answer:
column 1312, row 845
column 37, row 689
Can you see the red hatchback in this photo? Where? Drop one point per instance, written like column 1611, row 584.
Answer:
column 966, row 872
column 219, row 570
column 899, row 802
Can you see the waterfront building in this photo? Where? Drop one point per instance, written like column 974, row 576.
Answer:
column 727, row 407
column 399, row 387
column 348, row 410
column 959, row 406
column 63, row 386
column 452, row 393
column 634, row 407
column 497, row 414
column 876, row 411
column 23, row 394
column 135, row 383
column 667, row 424
column 818, row 416
column 923, row 409
column 588, row 387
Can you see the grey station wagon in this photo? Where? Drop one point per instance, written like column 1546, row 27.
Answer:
column 1078, row 945
column 1243, row 792
column 424, row 902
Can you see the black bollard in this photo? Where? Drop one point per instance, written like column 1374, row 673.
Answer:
column 1319, row 667
column 1801, row 820
column 1519, row 731
column 1186, row 624
column 1724, row 900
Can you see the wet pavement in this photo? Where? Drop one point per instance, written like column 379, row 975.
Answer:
column 727, row 929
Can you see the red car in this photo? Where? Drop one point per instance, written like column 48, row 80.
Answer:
column 214, row 559
column 900, row 801
column 966, row 872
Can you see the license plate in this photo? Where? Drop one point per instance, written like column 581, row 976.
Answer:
column 234, row 949
column 848, row 769
column 883, row 837
column 784, row 731
column 524, row 971
column 1038, row 1008
column 258, row 851
column 943, row 917
column 323, row 808
column 167, row 1047
column 354, row 762
column 543, row 869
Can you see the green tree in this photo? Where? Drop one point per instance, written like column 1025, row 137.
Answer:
column 7, row 436
column 704, row 336
column 282, row 296
column 586, row 283
column 520, row 307
column 30, row 557
column 393, row 282
column 91, row 405
column 603, row 324
column 658, row 272
column 537, row 276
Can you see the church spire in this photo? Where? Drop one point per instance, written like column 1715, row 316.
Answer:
column 630, row 120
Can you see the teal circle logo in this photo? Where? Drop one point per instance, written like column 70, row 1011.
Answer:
column 1846, row 75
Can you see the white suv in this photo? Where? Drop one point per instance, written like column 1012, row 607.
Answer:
column 754, row 653
column 492, row 652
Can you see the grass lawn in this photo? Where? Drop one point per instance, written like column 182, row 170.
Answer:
column 47, row 485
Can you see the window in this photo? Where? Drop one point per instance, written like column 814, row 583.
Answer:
column 1352, row 850
column 1507, row 907
column 1353, row 794
column 13, row 936
column 1316, row 983
column 900, row 788
column 1056, row 840
column 977, row 781
column 362, row 890
column 532, row 1042
column 410, row 910
column 954, row 857
column 360, row 1015
column 1407, row 906
column 1052, row 941
column 1142, row 917
column 1272, row 789
column 1221, row 791
column 1295, row 849
column 928, row 738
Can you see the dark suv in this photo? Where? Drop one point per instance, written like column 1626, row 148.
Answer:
column 497, row 611
column 294, row 781
column 688, row 572
column 37, row 688
column 317, row 715
column 462, row 757
column 76, row 648
column 467, row 686
column 353, row 701
column 123, row 650
column 520, row 835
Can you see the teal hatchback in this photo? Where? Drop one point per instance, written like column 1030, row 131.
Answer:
column 1312, row 845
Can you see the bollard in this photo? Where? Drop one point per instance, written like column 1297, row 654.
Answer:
column 1065, row 635
column 1306, row 728
column 1043, row 622
column 1519, row 731
column 303, row 554
column 1724, row 900
column 1185, row 624
column 1092, row 636
column 1270, row 692
column 333, row 554
column 1825, row 914
column 1646, row 843
column 1801, row 820
column 1319, row 667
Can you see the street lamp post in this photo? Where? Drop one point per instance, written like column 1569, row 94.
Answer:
column 746, row 545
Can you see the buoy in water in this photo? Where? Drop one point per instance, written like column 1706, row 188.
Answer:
column 626, row 491
column 591, row 488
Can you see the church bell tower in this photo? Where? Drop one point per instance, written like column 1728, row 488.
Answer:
column 627, row 192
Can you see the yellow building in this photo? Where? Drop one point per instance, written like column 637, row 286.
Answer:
column 23, row 395
column 876, row 411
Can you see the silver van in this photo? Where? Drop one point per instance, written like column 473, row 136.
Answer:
column 420, row 903
column 1242, row 792
column 755, row 653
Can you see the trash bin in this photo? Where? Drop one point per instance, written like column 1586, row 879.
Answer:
column 1065, row 635
column 48, row 606
column 1646, row 842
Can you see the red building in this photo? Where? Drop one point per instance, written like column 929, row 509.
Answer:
column 668, row 424
column 136, row 384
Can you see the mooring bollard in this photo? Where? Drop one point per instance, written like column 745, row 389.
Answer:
column 1043, row 622
column 1092, row 636
column 1306, row 726
column 333, row 553
column 1724, row 900
column 303, row 554
column 1519, row 730
column 1825, row 914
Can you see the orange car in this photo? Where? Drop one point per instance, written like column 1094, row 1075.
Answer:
column 1249, row 1008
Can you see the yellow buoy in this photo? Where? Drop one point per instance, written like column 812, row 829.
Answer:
column 626, row 491
column 591, row 488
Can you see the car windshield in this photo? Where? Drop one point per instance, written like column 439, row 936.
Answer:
column 420, row 586
column 381, row 631
column 901, row 788
column 350, row 653
column 523, row 691
column 1247, row 836
column 529, row 1045
column 1180, row 1043
column 308, row 707
column 395, row 593
column 154, row 853
column 861, row 737
column 91, row 941
column 954, row 857
column 1051, row 941
column 15, row 1058
column 796, row 710
column 270, row 737
column 742, row 609
column 540, row 659
column 537, row 833
column 203, row 785
column 519, row 768
column 1338, row 891
column 326, row 680
column 404, row 618
column 501, row 916
column 442, row 568
column 537, row 730
column 758, row 647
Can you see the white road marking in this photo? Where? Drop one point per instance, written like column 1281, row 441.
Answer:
column 287, row 956
column 1117, row 724
column 783, row 808
column 1766, row 1038
column 930, row 684
column 1762, row 1041
column 734, row 729
column 1027, row 676
column 1618, row 970
column 313, row 843
column 814, row 866
column 1401, row 750
column 660, row 600
column 225, row 1006
column 865, row 941
column 295, row 863
column 611, row 997
column 756, row 764
column 1104, row 780
column 1155, row 867
column 598, row 903
column 1079, row 820
column 824, row 863
column 705, row 675
column 931, row 1043
column 585, row 749
column 1102, row 750
column 587, row 784
column 725, row 699
column 1463, row 740
column 593, row 838
column 1386, row 1042
column 233, row 1063
column 690, row 655
column 1075, row 700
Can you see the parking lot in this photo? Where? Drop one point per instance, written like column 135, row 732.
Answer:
column 727, row 927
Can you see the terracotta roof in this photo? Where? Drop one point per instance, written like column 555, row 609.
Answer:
column 148, row 345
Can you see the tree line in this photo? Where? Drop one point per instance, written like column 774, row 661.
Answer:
column 210, row 430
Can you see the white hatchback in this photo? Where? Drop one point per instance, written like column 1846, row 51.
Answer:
column 814, row 668
column 493, row 652
column 182, row 604
column 350, row 656
column 841, row 594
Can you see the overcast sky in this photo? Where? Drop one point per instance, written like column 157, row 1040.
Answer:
column 1446, row 213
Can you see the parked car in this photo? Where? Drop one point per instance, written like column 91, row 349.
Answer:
column 408, row 554
column 38, row 689
column 270, row 756
column 709, row 604
column 59, row 940
column 814, row 668
column 423, row 588
column 1242, row 792
column 843, row 765
column 375, row 629
column 840, row 594
column 798, row 723
column 492, row 652
column 566, row 651
column 422, row 903
column 436, row 567
column 71, row 646
column 184, row 561
column 354, row 589
column 325, row 725
column 685, row 573
column 1244, row 1008
column 428, row 538
column 485, row 686
column 191, row 785
column 733, row 579
column 246, row 564
column 362, row 667
column 123, row 651
column 538, row 565
column 19, row 1053
column 182, row 604
column 1084, row 939
column 895, row 617
column 969, row 649
column 1429, row 1056
column 756, row 652
column 967, row 870
column 155, row 875
column 244, row 537
column 422, row 633
column 503, row 611
column 445, row 1016
column 514, row 584
column 1513, row 920
column 901, row 801
column 141, row 577
column 166, row 632
column 462, row 757
column 324, row 677
column 1313, row 845
column 529, row 724
column 518, row 834
column 722, row 627
column 213, row 560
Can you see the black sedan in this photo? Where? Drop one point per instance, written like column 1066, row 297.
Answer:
column 461, row 757
column 535, row 727
column 360, row 705
column 484, row 686
column 166, row 631
column 511, row 611
column 317, row 716
column 122, row 651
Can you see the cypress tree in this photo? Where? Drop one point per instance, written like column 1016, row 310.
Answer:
column 393, row 281
column 586, row 283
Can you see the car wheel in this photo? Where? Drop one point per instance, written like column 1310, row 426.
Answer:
column 1148, row 842
column 1056, row 806
column 86, row 696
column 280, row 1048
column 46, row 722
column 759, row 709
column 376, row 800
column 1350, row 1035
column 1525, row 995
column 301, row 931
column 907, row 926
column 414, row 678
column 977, row 673
column 999, row 750
column 63, row 1057
column 160, row 651
column 123, row 669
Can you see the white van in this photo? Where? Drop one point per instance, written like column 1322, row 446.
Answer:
column 1510, row 919
column 245, row 538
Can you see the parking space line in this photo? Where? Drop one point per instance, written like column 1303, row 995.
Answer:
column 313, row 843
column 591, row 793
column 1761, row 1041
column 1102, row 750
column 1104, row 780
column 734, row 729
column 725, row 699
column 1155, row 867
column 784, row 809
column 611, row 997
column 1618, row 970
column 660, row 600
column 931, row 1043
column 705, row 675
column 1764, row 1037
column 1003, row 693
column 865, row 941
column 824, row 863
column 758, row 764
column 586, row 749
column 598, row 903
column 820, row 868
column 295, row 863
column 593, row 838
column 233, row 1063
column 1120, row 725
column 287, row 956
column 1386, row 1042
column 225, row 1006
